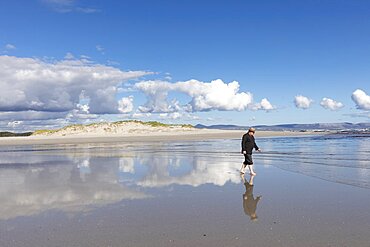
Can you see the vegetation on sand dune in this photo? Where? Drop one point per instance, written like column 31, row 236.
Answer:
column 43, row 132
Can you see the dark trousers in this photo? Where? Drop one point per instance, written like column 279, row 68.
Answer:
column 248, row 159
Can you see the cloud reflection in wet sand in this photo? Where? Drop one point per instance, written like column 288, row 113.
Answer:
column 70, row 188
column 78, row 181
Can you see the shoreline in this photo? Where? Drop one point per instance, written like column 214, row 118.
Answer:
column 195, row 135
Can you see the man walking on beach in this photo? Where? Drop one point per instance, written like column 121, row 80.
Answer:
column 248, row 143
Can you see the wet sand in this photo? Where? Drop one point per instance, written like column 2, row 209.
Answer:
column 179, row 194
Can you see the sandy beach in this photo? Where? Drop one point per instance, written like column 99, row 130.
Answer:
column 143, row 135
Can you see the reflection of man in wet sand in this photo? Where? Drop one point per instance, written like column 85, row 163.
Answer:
column 249, row 203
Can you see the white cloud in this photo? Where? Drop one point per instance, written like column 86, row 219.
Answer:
column 10, row 47
column 30, row 125
column 112, row 63
column 264, row 105
column 30, row 84
column 125, row 105
column 215, row 95
column 100, row 49
column 172, row 115
column 14, row 124
column 156, row 92
column 69, row 56
column 66, row 6
column 205, row 96
column 83, row 108
column 81, row 113
column 361, row 99
column 60, row 2
column 302, row 102
column 86, row 10
column 141, row 115
column 331, row 104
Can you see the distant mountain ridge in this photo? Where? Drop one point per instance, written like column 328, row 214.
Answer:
column 292, row 127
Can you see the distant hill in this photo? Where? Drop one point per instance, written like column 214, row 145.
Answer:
column 220, row 126
column 293, row 127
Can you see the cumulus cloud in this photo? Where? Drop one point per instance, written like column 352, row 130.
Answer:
column 30, row 84
column 264, row 105
column 156, row 92
column 126, row 105
column 205, row 96
column 82, row 112
column 302, row 102
column 83, row 108
column 215, row 95
column 361, row 99
column 331, row 104
column 14, row 124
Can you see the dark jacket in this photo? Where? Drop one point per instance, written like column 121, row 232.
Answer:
column 248, row 143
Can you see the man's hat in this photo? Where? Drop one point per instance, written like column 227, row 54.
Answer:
column 252, row 130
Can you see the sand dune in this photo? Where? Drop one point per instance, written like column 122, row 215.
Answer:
column 132, row 131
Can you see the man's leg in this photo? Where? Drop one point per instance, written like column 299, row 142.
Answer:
column 251, row 180
column 249, row 161
column 242, row 169
column 251, row 170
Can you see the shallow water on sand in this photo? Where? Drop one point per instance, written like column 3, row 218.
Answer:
column 309, row 191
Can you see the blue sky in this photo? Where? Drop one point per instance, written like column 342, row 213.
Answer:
column 68, row 61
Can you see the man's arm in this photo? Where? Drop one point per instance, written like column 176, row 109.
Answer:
column 243, row 144
column 256, row 147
